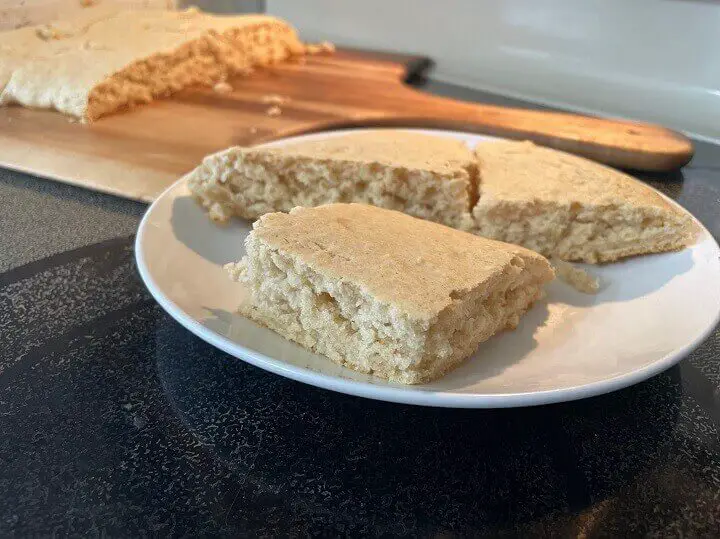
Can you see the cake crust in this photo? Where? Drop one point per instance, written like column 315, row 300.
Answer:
column 523, row 171
column 405, row 149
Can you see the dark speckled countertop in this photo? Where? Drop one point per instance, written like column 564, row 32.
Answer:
column 115, row 421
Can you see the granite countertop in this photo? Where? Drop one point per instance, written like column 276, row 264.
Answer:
column 115, row 421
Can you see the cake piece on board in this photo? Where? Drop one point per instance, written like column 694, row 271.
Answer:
column 105, row 59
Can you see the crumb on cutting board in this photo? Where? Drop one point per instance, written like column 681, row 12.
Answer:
column 320, row 48
column 578, row 278
column 48, row 33
column 222, row 87
column 274, row 99
column 274, row 111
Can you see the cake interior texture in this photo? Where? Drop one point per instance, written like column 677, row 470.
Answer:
column 381, row 292
column 424, row 176
column 107, row 59
column 570, row 208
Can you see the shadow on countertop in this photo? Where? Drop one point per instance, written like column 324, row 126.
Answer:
column 432, row 470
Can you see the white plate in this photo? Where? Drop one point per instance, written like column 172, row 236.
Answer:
column 650, row 313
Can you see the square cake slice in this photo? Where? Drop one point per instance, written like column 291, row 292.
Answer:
column 381, row 292
column 571, row 208
column 425, row 176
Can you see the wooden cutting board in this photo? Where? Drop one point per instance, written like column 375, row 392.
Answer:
column 138, row 154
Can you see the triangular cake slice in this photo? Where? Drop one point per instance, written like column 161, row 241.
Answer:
column 429, row 177
column 565, row 206
column 381, row 292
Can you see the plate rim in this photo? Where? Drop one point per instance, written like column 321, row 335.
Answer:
column 406, row 395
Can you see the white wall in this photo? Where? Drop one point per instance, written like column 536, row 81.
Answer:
column 656, row 60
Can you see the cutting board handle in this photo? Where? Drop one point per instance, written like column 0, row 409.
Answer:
column 623, row 144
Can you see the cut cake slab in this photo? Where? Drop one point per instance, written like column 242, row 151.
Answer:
column 571, row 208
column 381, row 292
column 429, row 177
column 107, row 59
column 551, row 202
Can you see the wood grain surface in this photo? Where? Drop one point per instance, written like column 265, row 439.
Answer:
column 138, row 154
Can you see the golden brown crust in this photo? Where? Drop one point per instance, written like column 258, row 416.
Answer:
column 523, row 171
column 396, row 148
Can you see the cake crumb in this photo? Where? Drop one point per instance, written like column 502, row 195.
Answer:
column 191, row 11
column 578, row 278
column 222, row 87
column 47, row 33
column 320, row 48
column 274, row 99
column 274, row 111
